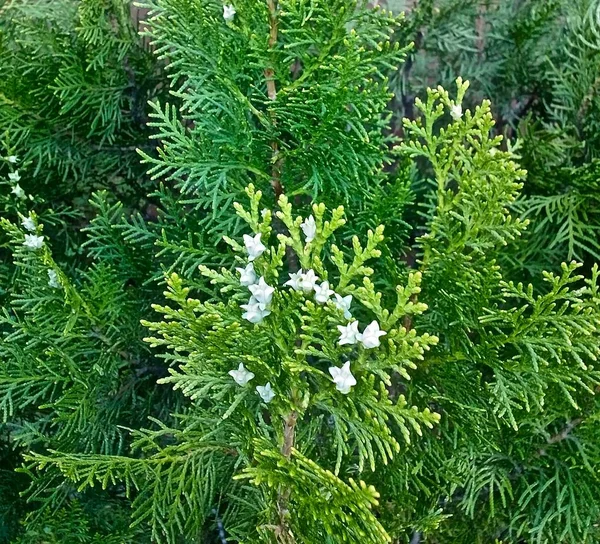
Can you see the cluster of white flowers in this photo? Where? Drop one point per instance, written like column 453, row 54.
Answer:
column 350, row 335
column 29, row 224
column 242, row 376
column 343, row 378
column 254, row 246
column 369, row 338
column 17, row 190
column 309, row 228
column 15, row 177
column 33, row 241
column 307, row 282
column 53, row 279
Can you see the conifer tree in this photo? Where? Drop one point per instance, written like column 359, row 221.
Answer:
column 76, row 78
column 365, row 369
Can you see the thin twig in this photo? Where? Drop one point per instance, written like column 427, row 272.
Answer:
column 220, row 527
column 562, row 435
column 283, row 531
column 272, row 94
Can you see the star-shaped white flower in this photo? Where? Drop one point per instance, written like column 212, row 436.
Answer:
column 14, row 176
column 254, row 246
column 228, row 13
column 295, row 279
column 322, row 292
column 308, row 281
column 343, row 303
column 33, row 242
column 456, row 112
column 18, row 191
column 247, row 275
column 349, row 334
column 29, row 224
column 370, row 336
column 266, row 392
column 12, row 159
column 241, row 376
column 262, row 292
column 254, row 313
column 53, row 279
column 343, row 378
column 309, row 227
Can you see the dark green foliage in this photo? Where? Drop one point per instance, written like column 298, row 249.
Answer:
column 72, row 100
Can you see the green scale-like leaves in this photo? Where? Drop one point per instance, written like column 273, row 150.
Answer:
column 292, row 349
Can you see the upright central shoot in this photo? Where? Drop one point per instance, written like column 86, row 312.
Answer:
column 298, row 364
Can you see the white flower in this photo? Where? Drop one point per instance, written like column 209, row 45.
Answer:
column 53, row 279
column 254, row 313
column 241, row 376
column 33, row 242
column 266, row 392
column 295, row 279
column 247, row 275
column 17, row 190
column 14, row 176
column 370, row 336
column 343, row 303
column 456, row 112
column 254, row 246
column 309, row 227
column 308, row 281
column 349, row 334
column 228, row 13
column 12, row 159
column 322, row 292
column 343, row 378
column 262, row 293
column 29, row 224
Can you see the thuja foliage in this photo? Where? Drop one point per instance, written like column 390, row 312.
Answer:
column 368, row 369
column 76, row 78
column 538, row 61
column 263, row 405
column 75, row 81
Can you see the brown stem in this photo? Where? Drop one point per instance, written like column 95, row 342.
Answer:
column 272, row 93
column 282, row 531
column 269, row 72
column 289, row 434
column 562, row 435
